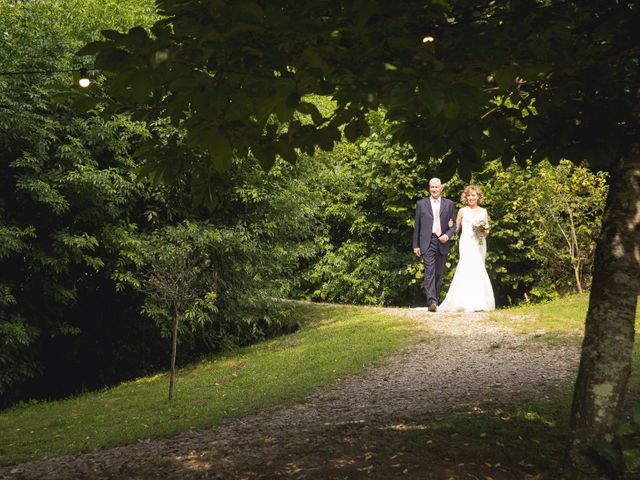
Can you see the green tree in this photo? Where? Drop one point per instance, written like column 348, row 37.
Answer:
column 75, row 216
column 180, row 281
column 566, row 209
column 521, row 80
column 63, row 178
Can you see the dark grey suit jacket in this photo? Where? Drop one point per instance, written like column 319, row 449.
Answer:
column 424, row 224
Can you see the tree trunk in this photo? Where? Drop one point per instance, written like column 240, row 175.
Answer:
column 174, row 347
column 576, row 274
column 605, row 362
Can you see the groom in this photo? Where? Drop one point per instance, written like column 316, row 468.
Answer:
column 431, row 238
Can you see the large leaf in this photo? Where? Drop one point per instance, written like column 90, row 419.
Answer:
column 402, row 95
column 113, row 58
column 138, row 37
column 432, row 96
column 357, row 128
column 140, row 85
column 309, row 108
column 451, row 109
column 286, row 151
column 220, row 150
column 265, row 154
column 327, row 136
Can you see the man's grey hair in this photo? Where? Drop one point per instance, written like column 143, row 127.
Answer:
column 435, row 180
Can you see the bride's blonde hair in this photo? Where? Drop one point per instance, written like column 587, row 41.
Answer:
column 468, row 189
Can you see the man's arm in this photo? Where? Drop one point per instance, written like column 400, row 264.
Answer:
column 416, row 232
column 451, row 223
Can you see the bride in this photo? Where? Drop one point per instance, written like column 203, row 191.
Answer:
column 470, row 289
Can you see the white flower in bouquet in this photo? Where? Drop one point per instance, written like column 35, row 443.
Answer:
column 479, row 228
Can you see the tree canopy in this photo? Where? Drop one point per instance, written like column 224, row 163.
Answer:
column 462, row 81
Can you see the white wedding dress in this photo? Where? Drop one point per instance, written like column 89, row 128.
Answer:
column 470, row 289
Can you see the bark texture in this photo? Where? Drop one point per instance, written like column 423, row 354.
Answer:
column 605, row 362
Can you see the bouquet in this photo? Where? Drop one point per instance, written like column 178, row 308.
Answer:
column 479, row 227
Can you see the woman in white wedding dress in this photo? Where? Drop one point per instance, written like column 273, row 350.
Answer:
column 470, row 289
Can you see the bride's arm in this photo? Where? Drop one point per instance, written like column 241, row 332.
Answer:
column 459, row 221
column 486, row 219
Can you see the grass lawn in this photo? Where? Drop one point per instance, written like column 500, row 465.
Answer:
column 564, row 316
column 335, row 341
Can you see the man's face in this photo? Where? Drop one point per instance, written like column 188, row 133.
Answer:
column 435, row 189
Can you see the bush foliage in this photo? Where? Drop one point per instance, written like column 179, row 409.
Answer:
column 545, row 221
column 78, row 225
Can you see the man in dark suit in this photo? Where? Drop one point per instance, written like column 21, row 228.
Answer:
column 431, row 238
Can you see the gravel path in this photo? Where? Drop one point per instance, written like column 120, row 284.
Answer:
column 463, row 362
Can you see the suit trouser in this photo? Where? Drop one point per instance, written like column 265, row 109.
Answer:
column 433, row 261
